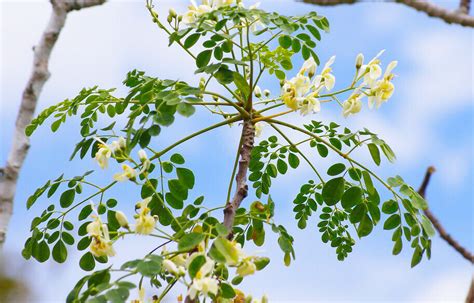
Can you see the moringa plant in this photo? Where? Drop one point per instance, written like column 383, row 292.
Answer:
column 199, row 247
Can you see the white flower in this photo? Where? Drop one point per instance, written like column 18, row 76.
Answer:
column 100, row 245
column 170, row 266
column 118, row 144
column 246, row 268
column 352, row 105
column 145, row 161
column 144, row 223
column 128, row 173
column 294, row 90
column 383, row 89
column 102, row 156
column 204, row 286
column 310, row 104
column 372, row 70
column 258, row 129
column 309, row 66
column 195, row 11
column 326, row 79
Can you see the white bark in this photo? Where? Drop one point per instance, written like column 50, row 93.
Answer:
column 39, row 76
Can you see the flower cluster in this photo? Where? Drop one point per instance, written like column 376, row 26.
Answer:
column 195, row 10
column 204, row 283
column 117, row 150
column 302, row 93
column 376, row 86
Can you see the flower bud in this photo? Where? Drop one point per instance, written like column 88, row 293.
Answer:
column 359, row 60
column 170, row 267
column 202, row 83
column 266, row 93
column 142, row 155
column 215, row 98
column 121, row 219
column 172, row 13
column 257, row 91
column 169, row 19
column 180, row 18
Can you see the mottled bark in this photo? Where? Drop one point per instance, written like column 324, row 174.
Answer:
column 248, row 137
column 31, row 93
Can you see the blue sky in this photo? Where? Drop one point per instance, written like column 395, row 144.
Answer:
column 429, row 121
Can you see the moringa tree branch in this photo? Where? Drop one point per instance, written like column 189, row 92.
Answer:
column 437, row 225
column 248, row 137
column 31, row 93
column 442, row 232
column 460, row 16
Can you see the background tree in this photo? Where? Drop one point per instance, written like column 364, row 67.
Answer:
column 39, row 75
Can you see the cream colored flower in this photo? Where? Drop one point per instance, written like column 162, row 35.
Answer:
column 204, row 286
column 372, row 70
column 294, row 90
column 383, row 89
column 128, row 173
column 352, row 105
column 172, row 268
column 144, row 223
column 246, row 268
column 102, row 156
column 326, row 79
column 309, row 66
column 100, row 245
column 310, row 104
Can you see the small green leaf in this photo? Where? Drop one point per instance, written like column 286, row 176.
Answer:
column 185, row 176
column 191, row 40
column 368, row 182
column 285, row 41
column 293, row 160
column 351, row 197
column 392, row 222
column 417, row 255
column 185, row 109
column 333, row 190
column 195, row 265
column 242, row 84
column 365, row 226
column 203, row 58
column 227, row 291
column 59, row 252
column 87, row 262
column 177, row 159
column 374, row 152
column 336, row 169
column 189, row 241
column 67, row 198
column 390, row 207
column 427, row 226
